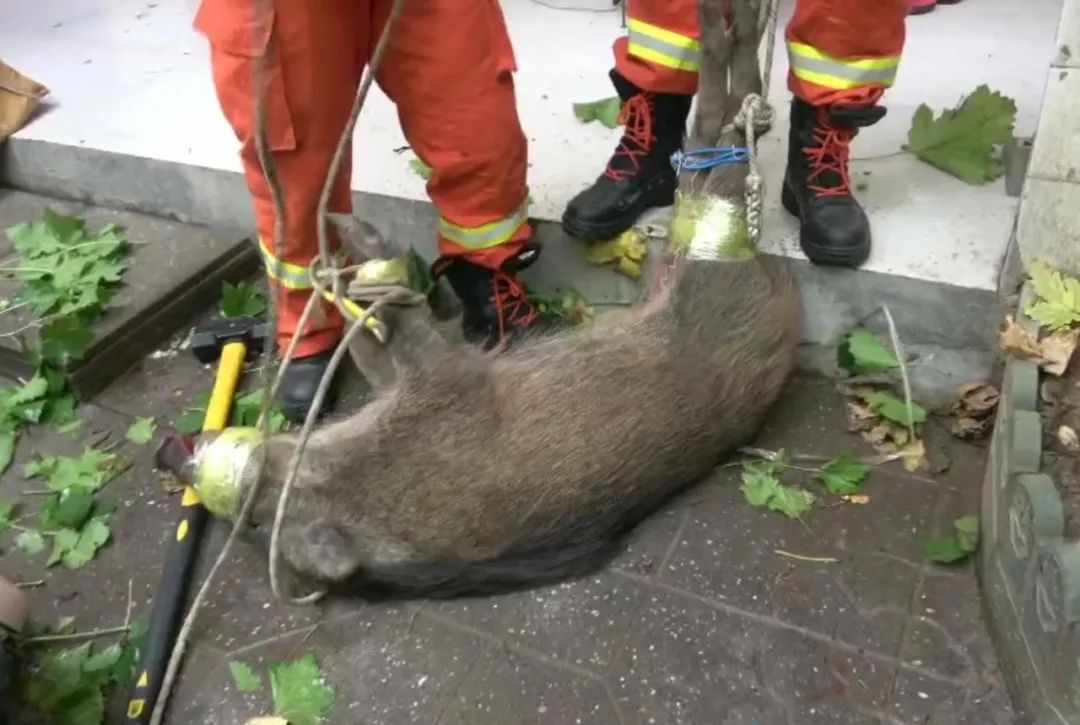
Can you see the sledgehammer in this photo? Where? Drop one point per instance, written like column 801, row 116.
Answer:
column 227, row 341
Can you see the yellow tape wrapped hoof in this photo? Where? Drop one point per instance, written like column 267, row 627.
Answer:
column 710, row 228
column 225, row 466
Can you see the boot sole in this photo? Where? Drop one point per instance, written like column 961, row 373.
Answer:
column 663, row 194
column 817, row 254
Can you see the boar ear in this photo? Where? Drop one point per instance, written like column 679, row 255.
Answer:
column 360, row 239
column 321, row 548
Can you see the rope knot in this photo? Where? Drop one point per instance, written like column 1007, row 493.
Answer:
column 756, row 112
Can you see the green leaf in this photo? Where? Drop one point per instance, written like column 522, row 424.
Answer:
column 419, row 272
column 842, row 474
column 892, row 408
column 85, row 706
column 30, row 542
column 241, row 300
column 244, row 677
column 56, row 675
column 961, row 141
column 7, row 450
column 73, row 508
column 944, row 551
column 191, row 422
column 92, row 537
column 90, row 471
column 34, row 389
column 126, row 668
column 420, row 168
column 300, row 692
column 1058, row 303
column 142, row 431
column 65, row 340
column 861, row 353
column 7, row 508
column 59, row 410
column 759, row 483
column 791, row 501
column 104, row 660
column 967, row 533
column 63, row 542
column 246, row 408
column 606, row 111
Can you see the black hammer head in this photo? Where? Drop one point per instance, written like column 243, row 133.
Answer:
column 208, row 341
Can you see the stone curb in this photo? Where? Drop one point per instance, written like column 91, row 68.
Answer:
column 1030, row 574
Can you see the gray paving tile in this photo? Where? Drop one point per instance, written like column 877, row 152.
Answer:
column 482, row 613
column 728, row 549
column 646, row 547
column 926, row 701
column 583, row 622
column 511, row 687
column 689, row 663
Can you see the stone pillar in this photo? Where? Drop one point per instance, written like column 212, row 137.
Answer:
column 1048, row 226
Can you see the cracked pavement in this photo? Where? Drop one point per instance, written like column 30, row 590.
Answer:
column 699, row 620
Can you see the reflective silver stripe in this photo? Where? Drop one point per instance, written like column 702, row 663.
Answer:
column 663, row 46
column 487, row 235
column 839, row 70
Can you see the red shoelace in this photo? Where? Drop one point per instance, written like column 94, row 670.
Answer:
column 637, row 116
column 510, row 301
column 831, row 154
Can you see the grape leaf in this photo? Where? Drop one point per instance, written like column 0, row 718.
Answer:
column 241, row 300
column 72, row 508
column 1058, row 302
column 759, row 483
column 300, row 692
column 792, row 502
column 961, row 140
column 64, row 340
column 126, row 668
column 944, row 551
column 843, row 474
column 63, row 542
column 6, row 510
column 245, row 678
column 861, row 353
column 420, row 168
column 892, row 408
column 30, row 542
column 420, row 278
column 606, row 111
column 967, row 533
column 141, row 431
column 92, row 537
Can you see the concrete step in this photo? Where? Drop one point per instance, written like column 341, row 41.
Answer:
column 948, row 330
column 176, row 270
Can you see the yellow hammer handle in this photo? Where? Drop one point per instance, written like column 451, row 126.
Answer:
column 230, row 366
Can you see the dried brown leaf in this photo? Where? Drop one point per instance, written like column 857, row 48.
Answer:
column 1052, row 353
column 1057, row 349
column 858, row 498
column 975, row 398
column 913, row 456
column 970, row 428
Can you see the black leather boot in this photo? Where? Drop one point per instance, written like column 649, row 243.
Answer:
column 494, row 305
column 639, row 175
column 834, row 229
column 299, row 385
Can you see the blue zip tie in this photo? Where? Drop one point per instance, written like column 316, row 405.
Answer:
column 709, row 158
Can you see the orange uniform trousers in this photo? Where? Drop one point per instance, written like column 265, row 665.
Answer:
column 448, row 71
column 841, row 51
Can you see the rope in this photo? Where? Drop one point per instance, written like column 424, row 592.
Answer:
column 710, row 158
column 755, row 116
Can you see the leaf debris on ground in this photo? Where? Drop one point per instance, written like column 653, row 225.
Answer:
column 605, row 110
column 141, row 431
column 245, row 678
column 971, row 414
column 881, row 425
column 963, row 543
column 1057, row 302
column 1052, row 353
column 962, row 141
column 761, row 486
column 301, row 693
column 420, row 168
column 843, row 474
column 628, row 251
column 245, row 412
column 861, row 353
column 241, row 300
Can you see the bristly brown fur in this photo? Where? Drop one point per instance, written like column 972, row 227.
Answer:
column 473, row 473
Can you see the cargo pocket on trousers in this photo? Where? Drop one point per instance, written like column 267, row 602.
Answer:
column 239, row 41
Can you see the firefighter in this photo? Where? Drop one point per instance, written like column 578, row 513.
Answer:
column 843, row 55
column 449, row 72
